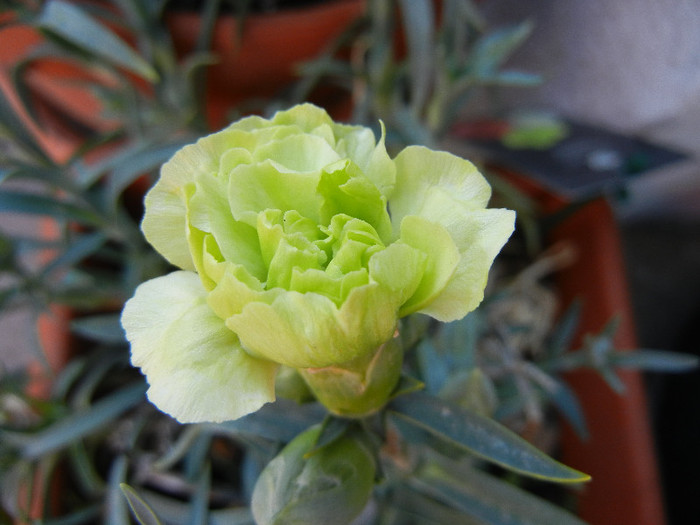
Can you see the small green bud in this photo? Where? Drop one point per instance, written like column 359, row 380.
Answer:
column 303, row 486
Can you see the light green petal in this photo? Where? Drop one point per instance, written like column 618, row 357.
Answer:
column 346, row 190
column 164, row 220
column 195, row 366
column 306, row 116
column 352, row 243
column 358, row 144
column 251, row 123
column 208, row 210
column 308, row 330
column 302, row 153
column 290, row 255
column 235, row 156
column 235, row 289
column 164, row 224
column 420, row 170
column 256, row 187
column 479, row 236
column 320, row 282
column 442, row 258
column 297, row 330
column 371, row 312
column 399, row 268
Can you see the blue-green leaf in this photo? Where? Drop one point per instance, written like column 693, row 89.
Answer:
column 567, row 403
column 137, row 164
column 418, row 20
column 33, row 204
column 74, row 25
column 103, row 327
column 495, row 47
column 491, row 500
column 482, row 437
column 79, row 249
column 80, row 424
column 655, row 360
column 279, row 421
column 11, row 124
column 199, row 505
column 142, row 510
column 116, row 511
column 565, row 330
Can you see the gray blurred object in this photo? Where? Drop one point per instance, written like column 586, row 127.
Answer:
column 629, row 66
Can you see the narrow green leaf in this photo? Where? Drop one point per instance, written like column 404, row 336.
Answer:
column 481, row 436
column 279, row 421
column 407, row 384
column 414, row 507
column 612, row 379
column 567, row 403
column 139, row 163
column 458, row 339
column 492, row 500
column 565, row 330
column 78, row 250
column 332, row 428
column 209, row 15
column 15, row 127
column 116, row 512
column 89, row 174
column 199, row 505
column 142, row 510
column 52, row 176
column 433, row 368
column 33, row 204
column 71, row 23
column 84, row 470
column 99, row 365
column 184, row 441
column 195, row 462
column 512, row 78
column 496, row 46
column 418, row 20
column 105, row 328
column 78, row 425
column 655, row 360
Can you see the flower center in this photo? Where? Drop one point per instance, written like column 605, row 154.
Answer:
column 305, row 257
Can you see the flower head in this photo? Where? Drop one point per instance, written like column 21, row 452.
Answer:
column 301, row 243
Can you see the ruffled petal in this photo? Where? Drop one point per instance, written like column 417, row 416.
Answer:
column 442, row 258
column 479, row 235
column 195, row 366
column 419, row 171
column 308, row 330
column 358, row 144
column 257, row 187
column 164, row 221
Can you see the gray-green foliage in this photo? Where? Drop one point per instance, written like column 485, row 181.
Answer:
column 417, row 70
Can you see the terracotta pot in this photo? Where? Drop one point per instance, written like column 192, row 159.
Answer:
column 261, row 60
column 619, row 454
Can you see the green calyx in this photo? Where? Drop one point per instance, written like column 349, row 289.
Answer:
column 359, row 388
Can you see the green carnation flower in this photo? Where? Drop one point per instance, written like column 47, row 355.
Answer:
column 301, row 243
